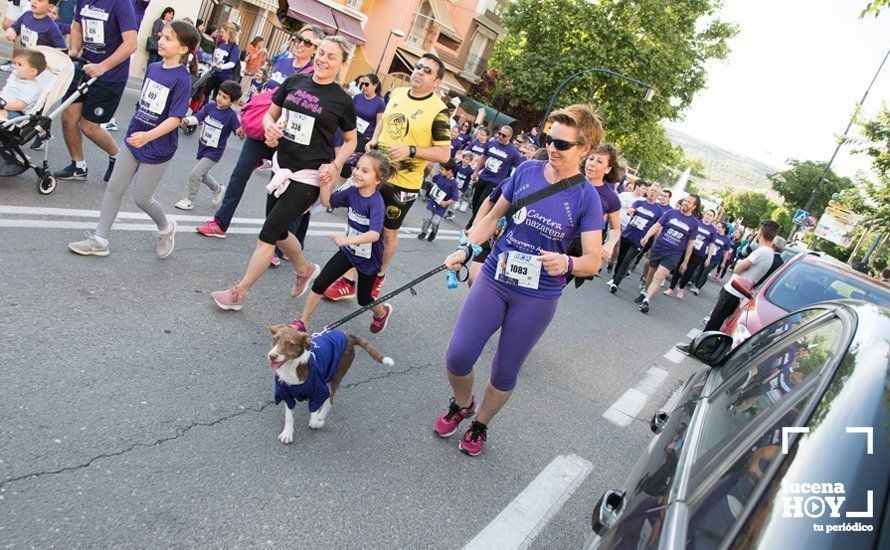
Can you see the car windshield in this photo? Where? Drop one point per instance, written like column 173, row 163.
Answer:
column 804, row 284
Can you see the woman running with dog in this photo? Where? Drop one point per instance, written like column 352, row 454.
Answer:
column 306, row 112
column 522, row 279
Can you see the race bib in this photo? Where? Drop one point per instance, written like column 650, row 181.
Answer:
column 297, row 127
column 493, row 164
column 518, row 269
column 211, row 133
column 93, row 31
column 219, row 56
column 437, row 194
column 406, row 197
column 277, row 77
column 699, row 243
column 358, row 250
column 154, row 96
column 638, row 222
column 29, row 37
column 361, row 125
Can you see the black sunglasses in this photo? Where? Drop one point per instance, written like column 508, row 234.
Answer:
column 306, row 42
column 559, row 144
column 421, row 67
column 363, row 84
column 503, row 135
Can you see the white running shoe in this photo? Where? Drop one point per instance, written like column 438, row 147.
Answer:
column 110, row 126
column 185, row 204
column 218, row 196
column 91, row 246
column 166, row 240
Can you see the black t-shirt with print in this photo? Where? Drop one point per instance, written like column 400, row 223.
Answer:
column 311, row 113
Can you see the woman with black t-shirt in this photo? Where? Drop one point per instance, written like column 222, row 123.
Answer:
column 306, row 112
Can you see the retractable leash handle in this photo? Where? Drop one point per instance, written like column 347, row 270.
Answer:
column 452, row 278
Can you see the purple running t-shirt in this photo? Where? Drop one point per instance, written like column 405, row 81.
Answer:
column 676, row 230
column 548, row 225
column 218, row 126
column 499, row 161
column 103, row 23
column 165, row 94
column 365, row 214
column 462, row 175
column 703, row 239
column 722, row 244
column 325, row 353
column 39, row 32
column 477, row 147
column 609, row 198
column 443, row 189
column 284, row 68
column 645, row 216
column 366, row 111
column 224, row 54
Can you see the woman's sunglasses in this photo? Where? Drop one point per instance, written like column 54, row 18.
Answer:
column 306, row 42
column 363, row 84
column 559, row 144
column 421, row 67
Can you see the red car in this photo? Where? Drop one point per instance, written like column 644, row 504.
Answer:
column 802, row 280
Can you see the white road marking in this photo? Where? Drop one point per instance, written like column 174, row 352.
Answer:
column 693, row 333
column 523, row 519
column 94, row 214
column 671, row 403
column 674, row 355
column 631, row 402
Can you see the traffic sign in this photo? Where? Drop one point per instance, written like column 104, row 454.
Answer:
column 800, row 218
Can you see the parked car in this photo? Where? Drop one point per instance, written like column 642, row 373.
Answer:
column 802, row 280
column 724, row 471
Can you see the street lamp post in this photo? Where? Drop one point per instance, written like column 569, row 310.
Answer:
column 650, row 89
column 393, row 32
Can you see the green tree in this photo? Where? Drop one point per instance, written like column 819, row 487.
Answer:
column 667, row 47
column 875, row 144
column 748, row 207
column 784, row 218
column 874, row 8
column 795, row 185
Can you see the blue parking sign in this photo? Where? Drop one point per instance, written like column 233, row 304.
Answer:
column 800, row 218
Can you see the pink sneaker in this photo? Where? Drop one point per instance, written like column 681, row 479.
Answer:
column 211, row 229
column 276, row 261
column 668, row 292
column 447, row 424
column 378, row 324
column 378, row 284
column 340, row 290
column 229, row 299
column 301, row 282
column 297, row 324
column 680, row 294
column 474, row 439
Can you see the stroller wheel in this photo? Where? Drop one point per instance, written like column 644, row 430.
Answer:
column 46, row 185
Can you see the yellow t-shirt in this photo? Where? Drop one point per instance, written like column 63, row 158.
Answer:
column 418, row 122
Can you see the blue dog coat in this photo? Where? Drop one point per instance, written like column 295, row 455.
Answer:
column 324, row 357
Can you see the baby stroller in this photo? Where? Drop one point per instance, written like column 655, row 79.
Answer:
column 197, row 94
column 18, row 131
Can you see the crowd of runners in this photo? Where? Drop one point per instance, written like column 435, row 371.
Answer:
column 544, row 210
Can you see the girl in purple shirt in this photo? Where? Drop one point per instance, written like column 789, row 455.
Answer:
column 361, row 247
column 225, row 57
column 519, row 288
column 151, row 141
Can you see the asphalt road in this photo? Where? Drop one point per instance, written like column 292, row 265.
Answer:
column 136, row 414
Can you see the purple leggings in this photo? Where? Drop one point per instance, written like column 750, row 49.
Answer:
column 490, row 306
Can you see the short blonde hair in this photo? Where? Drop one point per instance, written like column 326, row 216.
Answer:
column 346, row 46
column 585, row 119
column 232, row 30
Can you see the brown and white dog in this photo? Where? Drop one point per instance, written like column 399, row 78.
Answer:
column 308, row 369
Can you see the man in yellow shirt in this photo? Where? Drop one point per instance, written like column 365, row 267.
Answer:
column 414, row 130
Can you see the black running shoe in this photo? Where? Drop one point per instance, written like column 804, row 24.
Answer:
column 644, row 307
column 639, row 299
column 71, row 172
column 683, row 348
column 421, row 236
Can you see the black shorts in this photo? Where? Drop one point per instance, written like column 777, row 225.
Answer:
column 481, row 257
column 398, row 202
column 101, row 101
column 668, row 262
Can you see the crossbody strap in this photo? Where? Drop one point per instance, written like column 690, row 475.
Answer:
column 541, row 194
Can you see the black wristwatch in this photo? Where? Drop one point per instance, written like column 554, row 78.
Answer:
column 412, row 150
column 2, row 103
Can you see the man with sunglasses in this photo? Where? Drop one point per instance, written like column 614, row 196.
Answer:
column 499, row 160
column 414, row 130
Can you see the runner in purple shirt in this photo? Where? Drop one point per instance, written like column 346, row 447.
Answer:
column 675, row 234
column 224, row 59
column 37, row 29
column 519, row 288
column 600, row 167
column 644, row 213
column 103, row 33
column 369, row 107
column 498, row 161
column 702, row 251
column 442, row 194
column 477, row 146
column 722, row 248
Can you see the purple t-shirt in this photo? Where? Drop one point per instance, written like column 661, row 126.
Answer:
column 547, row 225
column 39, row 32
column 676, row 230
column 223, row 54
column 608, row 197
column 218, row 126
column 103, row 23
column 703, row 239
column 165, row 94
column 284, row 68
column 645, row 216
column 499, row 161
column 455, row 146
column 722, row 244
column 462, row 175
column 139, row 7
column 64, row 28
column 367, row 110
column 365, row 214
column 464, row 140
column 477, row 147
column 443, row 189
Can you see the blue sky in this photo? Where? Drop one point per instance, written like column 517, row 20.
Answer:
column 796, row 70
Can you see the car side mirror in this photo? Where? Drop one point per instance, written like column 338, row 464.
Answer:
column 711, row 347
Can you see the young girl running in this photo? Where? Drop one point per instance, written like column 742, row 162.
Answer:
column 361, row 247
column 151, row 140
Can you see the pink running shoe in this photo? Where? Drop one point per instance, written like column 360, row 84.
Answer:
column 668, row 292
column 342, row 289
column 680, row 294
column 447, row 424
column 474, row 439
column 276, row 261
column 378, row 284
column 378, row 324
column 229, row 299
column 211, row 229
column 301, row 282
column 297, row 324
